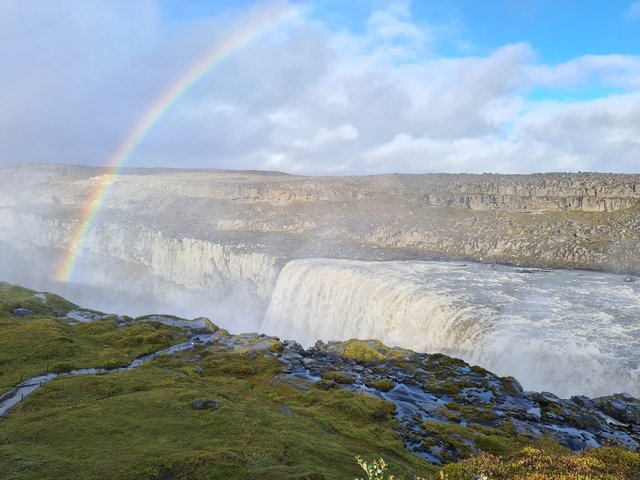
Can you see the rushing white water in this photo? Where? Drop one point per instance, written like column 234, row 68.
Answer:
column 570, row 332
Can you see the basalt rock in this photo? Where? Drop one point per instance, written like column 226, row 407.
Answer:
column 445, row 409
column 205, row 404
column 242, row 219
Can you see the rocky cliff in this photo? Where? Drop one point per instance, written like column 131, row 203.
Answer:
column 585, row 220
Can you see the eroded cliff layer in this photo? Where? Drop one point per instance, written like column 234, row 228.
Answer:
column 585, row 220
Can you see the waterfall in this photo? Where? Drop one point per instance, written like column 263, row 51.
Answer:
column 565, row 331
column 340, row 299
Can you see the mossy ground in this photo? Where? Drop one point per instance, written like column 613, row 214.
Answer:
column 139, row 424
column 605, row 463
column 46, row 342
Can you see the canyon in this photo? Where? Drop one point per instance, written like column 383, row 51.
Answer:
column 229, row 244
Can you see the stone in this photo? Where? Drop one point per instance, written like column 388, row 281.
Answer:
column 205, row 404
column 545, row 398
column 380, row 416
column 22, row 312
column 576, row 444
column 583, row 401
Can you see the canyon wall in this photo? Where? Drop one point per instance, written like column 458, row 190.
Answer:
column 586, row 220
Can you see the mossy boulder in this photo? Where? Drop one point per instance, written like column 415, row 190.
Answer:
column 382, row 384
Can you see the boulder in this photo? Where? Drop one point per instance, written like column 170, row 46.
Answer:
column 620, row 406
column 205, row 404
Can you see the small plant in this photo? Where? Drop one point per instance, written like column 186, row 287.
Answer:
column 374, row 470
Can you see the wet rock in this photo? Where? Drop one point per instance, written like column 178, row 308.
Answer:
column 534, row 413
column 583, row 401
column 576, row 444
column 205, row 404
column 621, row 407
column 512, row 385
column 380, row 416
column 630, row 279
column 545, row 398
column 588, row 421
column 22, row 312
column 435, row 388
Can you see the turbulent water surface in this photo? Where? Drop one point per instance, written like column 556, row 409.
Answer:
column 568, row 332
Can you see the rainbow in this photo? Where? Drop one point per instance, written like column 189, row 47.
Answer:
column 257, row 24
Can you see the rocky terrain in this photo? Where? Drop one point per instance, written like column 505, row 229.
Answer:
column 435, row 395
column 444, row 409
column 584, row 220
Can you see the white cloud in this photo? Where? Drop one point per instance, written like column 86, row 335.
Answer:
column 304, row 98
column 621, row 71
column 327, row 136
column 389, row 25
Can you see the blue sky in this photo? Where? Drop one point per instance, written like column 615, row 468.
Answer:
column 559, row 30
column 356, row 87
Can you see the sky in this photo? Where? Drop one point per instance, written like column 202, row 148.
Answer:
column 358, row 87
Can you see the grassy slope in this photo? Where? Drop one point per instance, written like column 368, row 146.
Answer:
column 140, row 424
column 606, row 463
column 31, row 345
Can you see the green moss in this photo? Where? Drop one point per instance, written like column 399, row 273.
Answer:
column 325, row 385
column 468, row 440
column 212, row 327
column 479, row 370
column 140, row 424
column 223, row 333
column 276, row 347
column 382, row 384
column 338, row 377
column 530, row 463
column 510, row 384
column 443, row 360
column 362, row 352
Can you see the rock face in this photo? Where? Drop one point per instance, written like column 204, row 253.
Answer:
column 557, row 220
